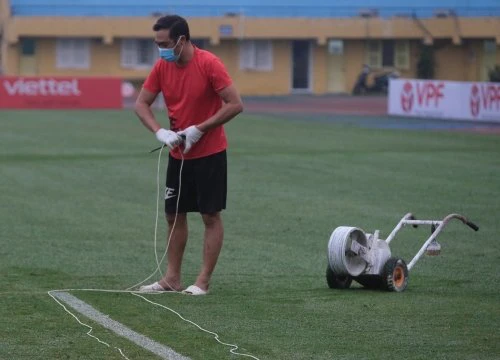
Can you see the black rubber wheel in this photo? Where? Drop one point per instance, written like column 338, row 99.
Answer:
column 395, row 275
column 370, row 281
column 337, row 281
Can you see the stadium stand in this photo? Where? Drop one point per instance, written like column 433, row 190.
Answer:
column 256, row 8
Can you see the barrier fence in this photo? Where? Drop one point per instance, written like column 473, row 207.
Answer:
column 478, row 101
column 60, row 93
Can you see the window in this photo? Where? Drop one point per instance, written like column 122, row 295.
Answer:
column 138, row 53
column 336, row 47
column 388, row 53
column 489, row 58
column 374, row 54
column 73, row 53
column 28, row 46
column 256, row 55
column 490, row 46
column 402, row 54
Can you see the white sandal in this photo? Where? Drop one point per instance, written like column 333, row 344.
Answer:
column 154, row 288
column 194, row 290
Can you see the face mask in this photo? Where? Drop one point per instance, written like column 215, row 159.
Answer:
column 168, row 54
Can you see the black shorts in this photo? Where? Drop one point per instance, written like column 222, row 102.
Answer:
column 203, row 184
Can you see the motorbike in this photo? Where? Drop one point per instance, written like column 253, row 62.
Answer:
column 380, row 83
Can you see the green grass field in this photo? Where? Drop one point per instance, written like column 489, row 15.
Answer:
column 78, row 207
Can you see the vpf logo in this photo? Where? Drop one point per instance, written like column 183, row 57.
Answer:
column 407, row 97
column 475, row 100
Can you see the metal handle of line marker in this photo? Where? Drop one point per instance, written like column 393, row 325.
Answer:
column 398, row 227
column 472, row 225
column 409, row 219
column 421, row 222
column 183, row 137
column 442, row 224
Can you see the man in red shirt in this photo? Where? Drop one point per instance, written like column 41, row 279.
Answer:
column 200, row 98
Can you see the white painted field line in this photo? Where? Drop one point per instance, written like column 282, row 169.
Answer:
column 85, row 309
column 233, row 347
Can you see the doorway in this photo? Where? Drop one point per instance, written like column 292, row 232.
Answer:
column 301, row 65
column 336, row 67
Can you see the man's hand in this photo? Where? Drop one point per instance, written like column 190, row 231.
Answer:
column 170, row 138
column 192, row 134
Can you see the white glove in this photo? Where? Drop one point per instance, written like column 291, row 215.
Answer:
column 191, row 134
column 168, row 137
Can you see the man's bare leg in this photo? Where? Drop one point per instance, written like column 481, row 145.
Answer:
column 178, row 240
column 213, row 239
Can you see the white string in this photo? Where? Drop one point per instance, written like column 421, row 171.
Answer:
column 215, row 335
column 158, row 262
column 89, row 333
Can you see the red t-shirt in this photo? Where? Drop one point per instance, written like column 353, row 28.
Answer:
column 191, row 95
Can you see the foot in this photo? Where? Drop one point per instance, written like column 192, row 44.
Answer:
column 157, row 287
column 153, row 288
column 171, row 284
column 194, row 290
column 202, row 282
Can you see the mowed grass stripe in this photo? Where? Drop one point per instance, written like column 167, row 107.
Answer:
column 78, row 204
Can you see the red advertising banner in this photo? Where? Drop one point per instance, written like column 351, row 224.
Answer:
column 60, row 93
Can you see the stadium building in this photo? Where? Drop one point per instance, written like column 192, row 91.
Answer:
column 277, row 49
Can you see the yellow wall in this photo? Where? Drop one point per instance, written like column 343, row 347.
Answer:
column 472, row 58
column 257, row 82
column 414, row 57
column 457, row 58
column 4, row 51
column 104, row 61
column 450, row 62
column 319, row 68
column 462, row 63
column 10, row 59
column 292, row 28
column 355, row 58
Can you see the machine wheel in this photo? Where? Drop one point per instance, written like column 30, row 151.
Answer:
column 395, row 275
column 337, row 281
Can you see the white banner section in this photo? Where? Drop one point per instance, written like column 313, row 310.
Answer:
column 478, row 101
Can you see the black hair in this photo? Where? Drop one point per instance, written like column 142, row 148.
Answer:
column 177, row 25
